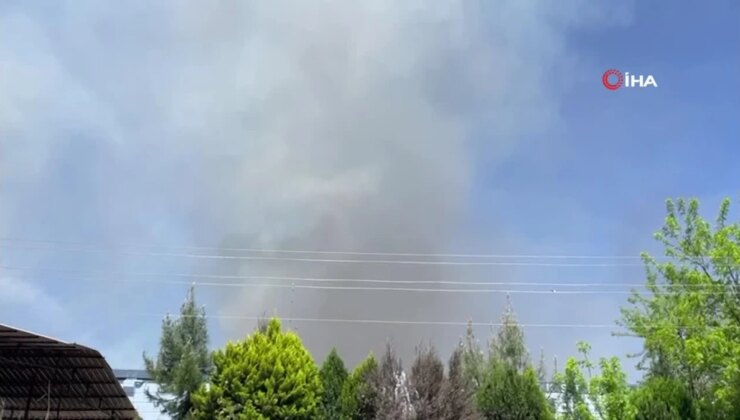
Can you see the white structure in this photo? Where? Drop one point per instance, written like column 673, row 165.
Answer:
column 555, row 396
column 135, row 383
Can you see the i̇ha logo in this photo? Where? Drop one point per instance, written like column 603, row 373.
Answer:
column 613, row 79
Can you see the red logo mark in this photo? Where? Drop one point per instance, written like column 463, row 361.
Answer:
column 608, row 74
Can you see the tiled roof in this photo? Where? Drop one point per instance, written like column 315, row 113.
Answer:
column 41, row 375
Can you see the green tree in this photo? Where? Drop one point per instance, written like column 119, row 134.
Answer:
column 508, row 346
column 359, row 398
column 333, row 374
column 473, row 358
column 183, row 362
column 574, row 391
column 607, row 390
column 661, row 398
column 510, row 388
column 509, row 395
column 610, row 392
column 269, row 375
column 690, row 317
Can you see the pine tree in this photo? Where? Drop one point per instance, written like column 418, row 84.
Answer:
column 183, row 362
column 333, row 375
column 359, row 398
column 508, row 346
column 509, row 395
column 510, row 388
column 270, row 375
column 473, row 358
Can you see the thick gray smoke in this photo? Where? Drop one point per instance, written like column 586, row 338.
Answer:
column 298, row 125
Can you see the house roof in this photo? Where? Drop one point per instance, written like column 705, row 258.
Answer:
column 40, row 375
column 139, row 374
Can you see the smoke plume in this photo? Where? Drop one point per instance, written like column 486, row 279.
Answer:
column 352, row 126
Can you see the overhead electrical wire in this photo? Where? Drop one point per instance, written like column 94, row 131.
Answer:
column 405, row 258
column 294, row 286
column 130, row 250
column 405, row 289
column 401, row 322
column 351, row 261
column 317, row 252
column 384, row 321
column 136, row 250
column 128, row 275
column 386, row 289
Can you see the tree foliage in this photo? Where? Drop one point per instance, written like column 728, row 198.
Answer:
column 690, row 319
column 508, row 394
column 269, row 375
column 510, row 388
column 610, row 392
column 426, row 383
column 458, row 397
column 604, row 395
column 183, row 361
column 394, row 398
column 333, row 374
column 574, row 391
column 508, row 345
column 662, row 398
column 359, row 398
column 473, row 358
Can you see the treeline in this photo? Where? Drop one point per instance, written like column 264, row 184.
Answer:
column 688, row 317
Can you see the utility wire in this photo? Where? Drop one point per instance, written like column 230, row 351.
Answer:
column 367, row 261
column 383, row 321
column 401, row 322
column 77, row 246
column 409, row 289
column 328, row 280
column 318, row 252
column 391, row 289
column 334, row 260
column 294, row 286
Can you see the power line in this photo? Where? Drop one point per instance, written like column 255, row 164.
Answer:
column 409, row 289
column 393, row 289
column 382, row 321
column 338, row 260
column 293, row 286
column 408, row 322
column 329, row 280
column 78, row 246
column 319, row 279
column 370, row 261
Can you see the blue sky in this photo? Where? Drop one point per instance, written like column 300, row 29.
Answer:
column 481, row 129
